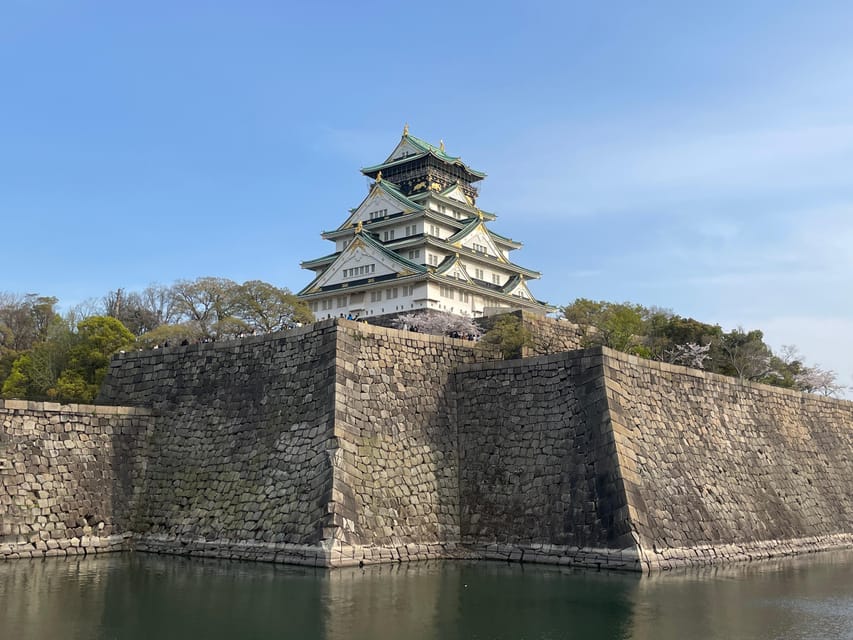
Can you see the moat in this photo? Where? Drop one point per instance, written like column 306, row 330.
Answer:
column 131, row 596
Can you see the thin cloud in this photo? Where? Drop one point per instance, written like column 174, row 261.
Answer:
column 659, row 170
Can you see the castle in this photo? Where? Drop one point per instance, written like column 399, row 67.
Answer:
column 340, row 443
column 418, row 241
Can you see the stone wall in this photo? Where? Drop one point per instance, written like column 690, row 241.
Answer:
column 547, row 335
column 240, row 462
column 396, row 491
column 341, row 443
column 716, row 469
column 71, row 477
column 538, row 469
column 550, row 336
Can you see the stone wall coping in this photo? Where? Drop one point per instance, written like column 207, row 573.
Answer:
column 611, row 354
column 87, row 409
column 529, row 363
column 318, row 326
column 736, row 383
column 427, row 338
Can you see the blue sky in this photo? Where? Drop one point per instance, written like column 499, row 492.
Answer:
column 698, row 158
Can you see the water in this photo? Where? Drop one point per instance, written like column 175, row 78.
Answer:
column 132, row 596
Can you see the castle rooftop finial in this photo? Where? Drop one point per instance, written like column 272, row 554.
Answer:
column 441, row 145
column 379, row 176
column 359, row 227
column 405, row 129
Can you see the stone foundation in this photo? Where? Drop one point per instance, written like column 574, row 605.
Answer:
column 342, row 444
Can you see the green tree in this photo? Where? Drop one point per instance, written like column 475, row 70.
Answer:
column 34, row 373
column 744, row 355
column 510, row 335
column 98, row 338
column 609, row 324
column 24, row 320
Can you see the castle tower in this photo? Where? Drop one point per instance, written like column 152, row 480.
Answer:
column 419, row 241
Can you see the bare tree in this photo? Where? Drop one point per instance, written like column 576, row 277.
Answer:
column 690, row 355
column 208, row 303
column 746, row 355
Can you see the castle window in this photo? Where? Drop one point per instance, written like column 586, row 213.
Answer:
column 388, row 235
column 342, row 301
column 478, row 273
column 496, row 278
column 411, row 229
column 463, row 296
column 414, row 253
column 480, row 248
column 379, row 213
column 391, row 293
column 375, row 296
column 363, row 270
column 432, row 259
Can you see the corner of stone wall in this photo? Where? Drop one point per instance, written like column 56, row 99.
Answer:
column 628, row 478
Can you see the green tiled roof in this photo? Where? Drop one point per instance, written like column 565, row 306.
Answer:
column 368, row 239
column 414, row 266
column 391, row 189
column 500, row 238
column 328, row 258
column 529, row 273
column 511, row 284
column 425, row 148
column 471, row 224
column 447, row 263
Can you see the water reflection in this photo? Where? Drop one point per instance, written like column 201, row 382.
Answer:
column 144, row 596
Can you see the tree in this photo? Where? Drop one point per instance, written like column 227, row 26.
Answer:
column 208, row 303
column 143, row 311
column 171, row 334
column 98, row 338
column 745, row 355
column 266, row 308
column 690, row 355
column 510, row 335
column 608, row 324
column 817, row 380
column 34, row 373
column 437, row 323
column 24, row 320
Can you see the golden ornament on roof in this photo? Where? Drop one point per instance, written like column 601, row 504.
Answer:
column 405, row 129
column 379, row 176
column 441, row 145
column 358, row 227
